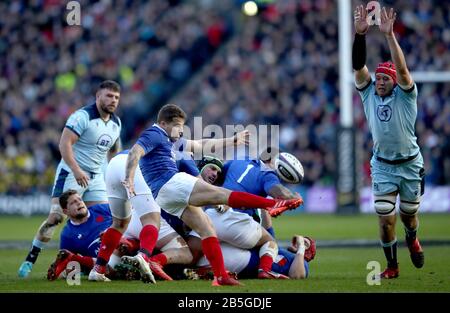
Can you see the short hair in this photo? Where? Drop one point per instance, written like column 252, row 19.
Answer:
column 170, row 111
column 64, row 197
column 110, row 85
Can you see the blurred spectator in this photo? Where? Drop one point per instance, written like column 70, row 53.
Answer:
column 49, row 69
column 281, row 67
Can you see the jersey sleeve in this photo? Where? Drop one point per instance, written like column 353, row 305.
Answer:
column 225, row 168
column 365, row 91
column 186, row 164
column 408, row 96
column 101, row 208
column 78, row 122
column 149, row 140
column 270, row 179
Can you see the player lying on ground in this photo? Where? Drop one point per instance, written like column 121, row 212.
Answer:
column 293, row 264
column 238, row 227
column 183, row 195
column 390, row 106
column 80, row 238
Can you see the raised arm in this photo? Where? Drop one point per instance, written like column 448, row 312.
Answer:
column 404, row 78
column 213, row 144
column 362, row 75
column 133, row 158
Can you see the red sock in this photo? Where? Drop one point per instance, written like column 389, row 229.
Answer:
column 160, row 258
column 86, row 261
column 110, row 240
column 148, row 238
column 239, row 199
column 213, row 252
column 265, row 263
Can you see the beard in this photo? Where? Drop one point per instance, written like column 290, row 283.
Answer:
column 81, row 215
column 107, row 109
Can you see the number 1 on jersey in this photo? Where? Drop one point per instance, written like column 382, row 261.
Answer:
column 249, row 167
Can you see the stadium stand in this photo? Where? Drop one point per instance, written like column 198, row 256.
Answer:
column 285, row 61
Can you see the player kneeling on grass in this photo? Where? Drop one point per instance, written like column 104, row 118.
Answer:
column 81, row 236
column 293, row 264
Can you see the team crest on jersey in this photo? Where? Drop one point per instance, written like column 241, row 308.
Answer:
column 384, row 113
column 105, row 141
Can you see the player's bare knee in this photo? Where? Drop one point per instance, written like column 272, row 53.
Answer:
column 269, row 248
column 409, row 207
column 185, row 256
column 120, row 224
column 385, row 205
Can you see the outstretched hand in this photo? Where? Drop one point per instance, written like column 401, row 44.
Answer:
column 387, row 21
column 242, row 138
column 360, row 20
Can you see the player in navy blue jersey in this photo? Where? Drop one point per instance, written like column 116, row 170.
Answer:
column 181, row 194
column 90, row 136
column 240, row 226
column 80, row 237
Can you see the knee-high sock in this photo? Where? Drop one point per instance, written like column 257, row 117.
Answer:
column 110, row 240
column 148, row 238
column 390, row 251
column 160, row 258
column 239, row 199
column 213, row 252
column 86, row 261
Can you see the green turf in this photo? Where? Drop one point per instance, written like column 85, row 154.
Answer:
column 333, row 270
column 330, row 227
column 320, row 226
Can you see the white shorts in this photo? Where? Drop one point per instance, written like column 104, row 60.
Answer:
column 65, row 180
column 143, row 202
column 135, row 227
column 236, row 228
column 174, row 196
column 235, row 259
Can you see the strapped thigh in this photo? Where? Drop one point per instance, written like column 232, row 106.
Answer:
column 385, row 205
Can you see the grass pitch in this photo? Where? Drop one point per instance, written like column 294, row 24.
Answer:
column 333, row 270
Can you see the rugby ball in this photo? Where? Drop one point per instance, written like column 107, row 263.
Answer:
column 289, row 168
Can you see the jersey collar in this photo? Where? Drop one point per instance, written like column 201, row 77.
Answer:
column 162, row 129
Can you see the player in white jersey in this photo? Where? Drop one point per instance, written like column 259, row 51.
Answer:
column 390, row 106
column 90, row 136
column 145, row 225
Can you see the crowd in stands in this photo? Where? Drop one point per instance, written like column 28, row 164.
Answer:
column 49, row 69
column 280, row 67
